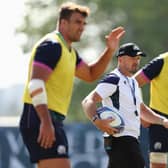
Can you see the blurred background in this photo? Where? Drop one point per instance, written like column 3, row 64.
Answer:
column 23, row 22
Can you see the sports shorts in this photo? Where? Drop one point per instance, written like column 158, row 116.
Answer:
column 29, row 128
column 123, row 152
column 158, row 137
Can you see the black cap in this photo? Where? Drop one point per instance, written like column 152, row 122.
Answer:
column 130, row 49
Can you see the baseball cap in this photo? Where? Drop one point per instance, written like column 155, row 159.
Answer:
column 130, row 49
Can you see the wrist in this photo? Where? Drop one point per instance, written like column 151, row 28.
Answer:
column 161, row 122
column 110, row 50
column 94, row 118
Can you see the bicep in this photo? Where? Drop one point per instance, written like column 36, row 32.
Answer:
column 141, row 78
column 40, row 72
column 91, row 100
column 96, row 97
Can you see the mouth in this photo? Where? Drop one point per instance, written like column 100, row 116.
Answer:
column 79, row 33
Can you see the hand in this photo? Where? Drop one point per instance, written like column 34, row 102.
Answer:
column 46, row 136
column 104, row 126
column 113, row 38
column 145, row 124
column 165, row 122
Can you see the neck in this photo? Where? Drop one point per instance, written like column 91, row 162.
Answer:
column 125, row 72
column 65, row 39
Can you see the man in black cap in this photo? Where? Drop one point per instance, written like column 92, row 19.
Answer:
column 120, row 91
column 130, row 49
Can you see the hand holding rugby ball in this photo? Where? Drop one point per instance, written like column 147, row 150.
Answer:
column 106, row 112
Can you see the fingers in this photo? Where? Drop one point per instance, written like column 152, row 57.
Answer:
column 104, row 126
column 46, row 141
column 112, row 131
column 117, row 32
column 120, row 34
column 165, row 123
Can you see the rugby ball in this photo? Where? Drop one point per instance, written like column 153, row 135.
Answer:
column 107, row 112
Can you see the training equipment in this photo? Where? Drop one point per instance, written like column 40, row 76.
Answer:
column 107, row 112
column 37, row 92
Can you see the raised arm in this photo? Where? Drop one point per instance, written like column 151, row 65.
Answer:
column 92, row 71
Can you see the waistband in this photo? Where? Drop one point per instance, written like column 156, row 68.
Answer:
column 56, row 116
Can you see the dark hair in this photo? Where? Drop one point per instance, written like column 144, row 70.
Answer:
column 68, row 8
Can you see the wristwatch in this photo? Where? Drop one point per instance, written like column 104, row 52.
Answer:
column 94, row 118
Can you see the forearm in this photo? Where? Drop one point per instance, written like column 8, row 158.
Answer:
column 43, row 113
column 100, row 65
column 89, row 104
column 89, row 108
column 94, row 70
column 150, row 116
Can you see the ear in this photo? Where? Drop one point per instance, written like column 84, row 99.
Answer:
column 119, row 59
column 63, row 22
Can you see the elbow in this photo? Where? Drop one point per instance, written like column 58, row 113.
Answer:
column 91, row 79
column 93, row 76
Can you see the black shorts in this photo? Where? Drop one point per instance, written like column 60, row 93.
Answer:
column 29, row 128
column 158, row 137
column 123, row 152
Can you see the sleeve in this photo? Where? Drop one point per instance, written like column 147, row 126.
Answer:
column 107, row 86
column 48, row 53
column 78, row 59
column 153, row 68
column 140, row 95
column 139, row 90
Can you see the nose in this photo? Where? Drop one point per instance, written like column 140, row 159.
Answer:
column 82, row 26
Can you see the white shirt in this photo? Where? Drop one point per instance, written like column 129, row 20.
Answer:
column 118, row 91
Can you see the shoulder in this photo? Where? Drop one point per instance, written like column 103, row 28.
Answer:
column 49, row 47
column 154, row 67
column 156, row 62
column 111, row 78
column 48, row 52
column 49, row 44
column 163, row 57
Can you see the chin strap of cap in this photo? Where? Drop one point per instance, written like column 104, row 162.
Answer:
column 37, row 92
